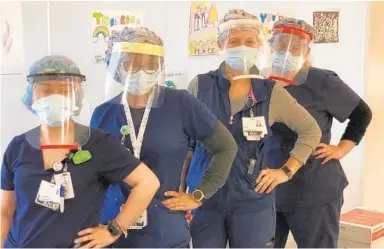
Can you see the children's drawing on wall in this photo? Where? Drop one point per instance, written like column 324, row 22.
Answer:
column 326, row 27
column 203, row 29
column 176, row 79
column 268, row 20
column 106, row 23
column 12, row 48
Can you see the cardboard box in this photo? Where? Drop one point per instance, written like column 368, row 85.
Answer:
column 361, row 227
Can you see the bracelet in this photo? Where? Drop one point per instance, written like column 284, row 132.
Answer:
column 121, row 228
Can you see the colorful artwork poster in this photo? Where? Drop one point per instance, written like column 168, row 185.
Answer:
column 268, row 20
column 12, row 46
column 203, row 29
column 106, row 23
column 326, row 27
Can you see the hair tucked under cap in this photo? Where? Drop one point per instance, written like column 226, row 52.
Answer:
column 54, row 63
column 297, row 23
column 237, row 14
column 139, row 34
column 49, row 64
column 293, row 22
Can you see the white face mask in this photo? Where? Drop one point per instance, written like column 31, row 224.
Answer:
column 286, row 61
column 241, row 58
column 54, row 109
column 141, row 83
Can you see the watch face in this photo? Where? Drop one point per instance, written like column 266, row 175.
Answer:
column 113, row 230
column 198, row 195
column 287, row 171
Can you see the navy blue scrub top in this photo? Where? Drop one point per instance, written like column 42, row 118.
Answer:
column 165, row 143
column 22, row 171
column 325, row 96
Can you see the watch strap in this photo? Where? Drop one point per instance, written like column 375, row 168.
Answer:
column 287, row 171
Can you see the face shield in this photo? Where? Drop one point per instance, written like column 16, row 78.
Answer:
column 241, row 43
column 136, row 75
column 290, row 55
column 58, row 99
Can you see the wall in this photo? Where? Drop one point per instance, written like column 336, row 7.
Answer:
column 70, row 34
column 14, row 117
column 374, row 92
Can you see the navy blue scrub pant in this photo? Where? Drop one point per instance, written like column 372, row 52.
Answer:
column 312, row 227
column 216, row 229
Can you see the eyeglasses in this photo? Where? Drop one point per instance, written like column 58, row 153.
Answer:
column 149, row 67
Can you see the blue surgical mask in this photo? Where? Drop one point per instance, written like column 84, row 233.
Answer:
column 241, row 58
column 141, row 83
column 286, row 62
column 54, row 109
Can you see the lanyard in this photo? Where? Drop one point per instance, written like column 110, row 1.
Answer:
column 251, row 101
column 137, row 142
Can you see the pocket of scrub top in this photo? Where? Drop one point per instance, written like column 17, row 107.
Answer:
column 251, row 174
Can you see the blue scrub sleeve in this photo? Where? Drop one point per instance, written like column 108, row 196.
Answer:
column 198, row 121
column 6, row 170
column 339, row 99
column 116, row 160
column 94, row 119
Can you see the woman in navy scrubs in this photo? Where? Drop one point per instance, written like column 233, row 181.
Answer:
column 155, row 123
column 310, row 204
column 54, row 177
column 242, row 213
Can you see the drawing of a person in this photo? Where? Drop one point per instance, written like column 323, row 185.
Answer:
column 197, row 18
column 212, row 16
column 203, row 17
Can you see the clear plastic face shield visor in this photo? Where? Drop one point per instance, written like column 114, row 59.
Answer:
column 242, row 48
column 290, row 55
column 58, row 99
column 136, row 75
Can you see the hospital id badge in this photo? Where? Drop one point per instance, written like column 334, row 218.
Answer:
column 48, row 195
column 254, row 128
column 65, row 180
column 141, row 222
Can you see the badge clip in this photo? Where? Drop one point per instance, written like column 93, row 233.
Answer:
column 124, row 131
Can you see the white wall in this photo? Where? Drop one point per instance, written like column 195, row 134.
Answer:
column 70, row 33
column 374, row 170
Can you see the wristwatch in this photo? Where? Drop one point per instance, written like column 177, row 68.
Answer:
column 113, row 229
column 198, row 195
column 287, row 171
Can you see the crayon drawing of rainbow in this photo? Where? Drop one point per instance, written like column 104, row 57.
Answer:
column 100, row 30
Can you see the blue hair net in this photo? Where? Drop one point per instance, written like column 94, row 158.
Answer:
column 50, row 65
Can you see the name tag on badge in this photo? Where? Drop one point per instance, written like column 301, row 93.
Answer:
column 48, row 195
column 65, row 180
column 141, row 222
column 254, row 128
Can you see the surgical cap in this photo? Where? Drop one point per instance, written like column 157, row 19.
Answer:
column 237, row 14
column 49, row 64
column 139, row 34
column 297, row 23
